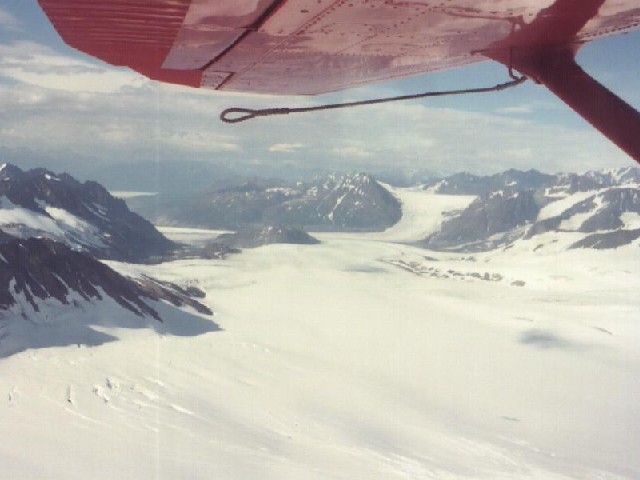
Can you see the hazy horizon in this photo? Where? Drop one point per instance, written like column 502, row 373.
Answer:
column 66, row 108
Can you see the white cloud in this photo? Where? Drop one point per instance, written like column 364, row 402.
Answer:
column 351, row 152
column 285, row 147
column 525, row 153
column 200, row 141
column 38, row 65
column 515, row 109
column 58, row 103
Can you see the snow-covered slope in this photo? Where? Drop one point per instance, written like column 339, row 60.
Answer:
column 609, row 217
column 422, row 213
column 349, row 359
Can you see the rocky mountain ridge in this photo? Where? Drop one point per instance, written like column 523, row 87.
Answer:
column 37, row 270
column 355, row 202
column 516, row 180
column 601, row 209
column 85, row 216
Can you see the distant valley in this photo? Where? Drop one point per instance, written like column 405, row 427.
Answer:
column 56, row 232
column 598, row 209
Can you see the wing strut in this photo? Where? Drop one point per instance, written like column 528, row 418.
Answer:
column 545, row 51
column 556, row 69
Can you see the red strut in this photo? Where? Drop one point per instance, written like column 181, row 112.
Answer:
column 557, row 70
column 545, row 51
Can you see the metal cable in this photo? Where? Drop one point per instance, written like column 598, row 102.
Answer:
column 248, row 113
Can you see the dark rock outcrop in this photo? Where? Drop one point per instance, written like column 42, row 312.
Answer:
column 39, row 269
column 216, row 251
column 601, row 241
column 257, row 236
column 614, row 203
column 4, row 237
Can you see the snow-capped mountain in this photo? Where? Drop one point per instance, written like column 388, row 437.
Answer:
column 355, row 202
column 514, row 180
column 52, row 288
column 599, row 209
column 334, row 202
column 492, row 219
column 610, row 217
column 39, row 203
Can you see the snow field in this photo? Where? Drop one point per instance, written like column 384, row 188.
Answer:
column 333, row 363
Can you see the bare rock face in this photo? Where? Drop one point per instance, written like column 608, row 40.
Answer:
column 610, row 207
column 34, row 270
column 39, row 203
column 4, row 237
column 615, row 239
column 602, row 215
column 487, row 223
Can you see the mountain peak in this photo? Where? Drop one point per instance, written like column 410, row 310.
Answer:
column 9, row 170
column 40, row 203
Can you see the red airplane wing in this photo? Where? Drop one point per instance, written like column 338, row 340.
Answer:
column 316, row 46
column 312, row 46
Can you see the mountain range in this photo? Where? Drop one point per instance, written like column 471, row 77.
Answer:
column 353, row 202
column 56, row 232
column 599, row 209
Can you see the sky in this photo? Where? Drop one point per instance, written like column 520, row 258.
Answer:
column 57, row 103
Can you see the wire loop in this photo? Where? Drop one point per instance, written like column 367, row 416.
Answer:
column 237, row 114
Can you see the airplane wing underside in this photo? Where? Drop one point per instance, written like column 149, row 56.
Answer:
column 315, row 46
column 307, row 47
